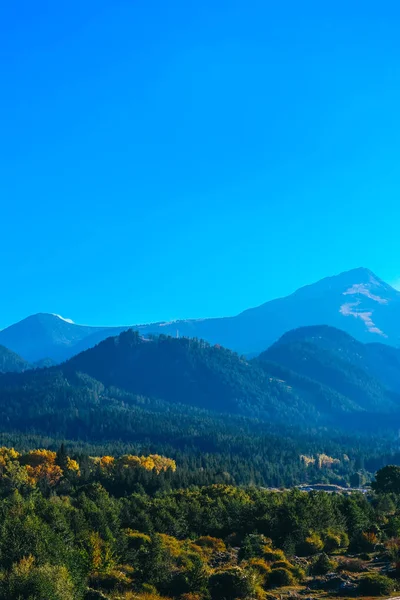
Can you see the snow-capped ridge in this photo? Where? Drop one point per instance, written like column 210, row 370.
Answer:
column 70, row 321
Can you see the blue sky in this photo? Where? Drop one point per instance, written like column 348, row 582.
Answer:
column 186, row 159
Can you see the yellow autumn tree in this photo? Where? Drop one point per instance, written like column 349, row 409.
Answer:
column 7, row 455
column 107, row 462
column 72, row 465
column 40, row 465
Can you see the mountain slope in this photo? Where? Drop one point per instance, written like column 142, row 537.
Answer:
column 10, row 362
column 357, row 302
column 46, row 336
column 183, row 370
column 125, row 371
column 338, row 361
column 377, row 360
column 295, row 382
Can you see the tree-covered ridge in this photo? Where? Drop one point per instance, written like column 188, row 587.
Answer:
column 291, row 383
column 340, row 363
column 184, row 370
column 11, row 362
column 375, row 361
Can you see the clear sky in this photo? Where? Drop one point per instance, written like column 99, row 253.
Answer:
column 193, row 158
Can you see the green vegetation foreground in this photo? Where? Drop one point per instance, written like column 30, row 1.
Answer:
column 65, row 537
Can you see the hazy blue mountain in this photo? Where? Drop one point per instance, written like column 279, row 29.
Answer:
column 357, row 302
column 49, row 337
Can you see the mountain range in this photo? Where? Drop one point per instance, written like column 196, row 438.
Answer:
column 357, row 302
column 312, row 376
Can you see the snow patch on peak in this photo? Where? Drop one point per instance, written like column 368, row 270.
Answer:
column 70, row 321
column 364, row 290
column 349, row 309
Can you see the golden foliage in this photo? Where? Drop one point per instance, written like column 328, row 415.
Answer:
column 130, row 461
column 322, row 460
column 51, row 473
column 72, row 465
column 35, row 458
column 107, row 462
column 307, row 460
column 327, row 461
column 40, row 464
column 209, row 545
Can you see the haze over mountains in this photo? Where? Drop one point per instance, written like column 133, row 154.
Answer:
column 356, row 301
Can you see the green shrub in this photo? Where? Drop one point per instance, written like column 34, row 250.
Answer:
column 311, row 545
column 137, row 540
column 332, row 542
column 271, row 555
column 298, row 573
column 374, row 584
column 210, row 543
column 114, row 580
column 45, row 582
column 231, row 584
column 364, row 542
column 322, row 565
column 280, row 577
column 260, row 566
column 253, row 546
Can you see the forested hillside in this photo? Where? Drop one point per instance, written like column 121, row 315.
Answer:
column 240, row 421
column 300, row 384
column 11, row 362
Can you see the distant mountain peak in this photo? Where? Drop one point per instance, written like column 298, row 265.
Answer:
column 357, row 301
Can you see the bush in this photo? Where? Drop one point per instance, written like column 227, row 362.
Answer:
column 231, row 584
column 364, row 542
column 253, row 546
column 260, row 566
column 332, row 542
column 322, row 565
column 344, row 540
column 298, row 573
column 271, row 555
column 115, row 580
column 46, row 582
column 374, row 584
column 210, row 543
column 311, row 545
column 280, row 577
column 137, row 540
